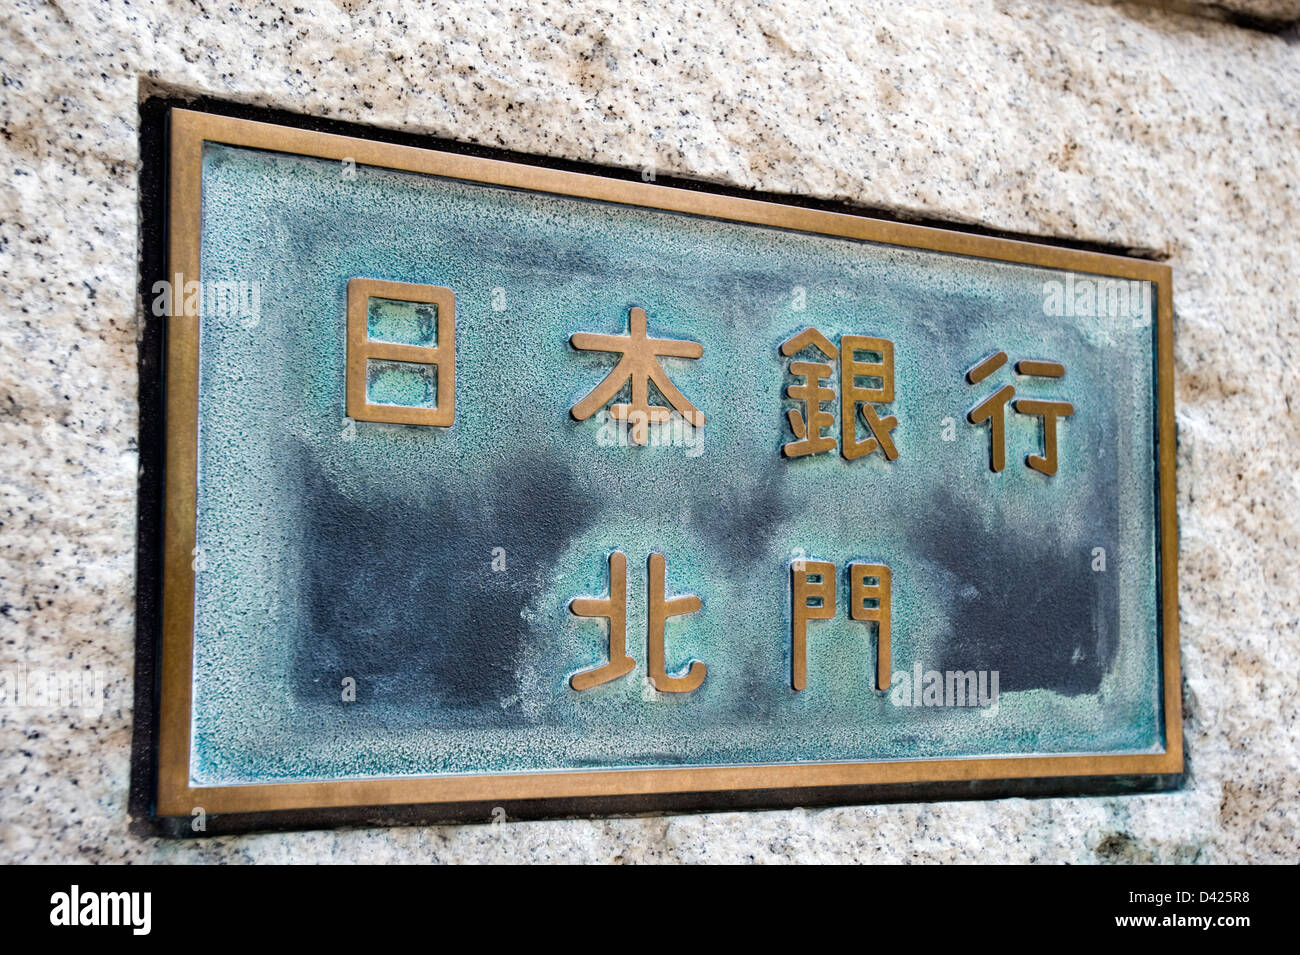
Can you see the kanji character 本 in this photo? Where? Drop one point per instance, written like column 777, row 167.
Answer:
column 808, row 426
column 993, row 410
column 639, row 365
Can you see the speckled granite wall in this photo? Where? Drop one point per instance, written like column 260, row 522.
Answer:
column 1173, row 134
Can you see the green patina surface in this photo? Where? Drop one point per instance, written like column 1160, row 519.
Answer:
column 336, row 549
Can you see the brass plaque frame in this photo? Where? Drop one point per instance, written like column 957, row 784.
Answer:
column 176, row 797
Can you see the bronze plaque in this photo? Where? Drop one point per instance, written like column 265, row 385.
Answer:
column 495, row 485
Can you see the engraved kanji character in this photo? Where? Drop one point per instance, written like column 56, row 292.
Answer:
column 639, row 365
column 809, row 425
column 993, row 410
column 855, row 398
column 614, row 610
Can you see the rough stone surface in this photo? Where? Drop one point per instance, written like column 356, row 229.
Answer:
column 1270, row 14
column 1125, row 125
